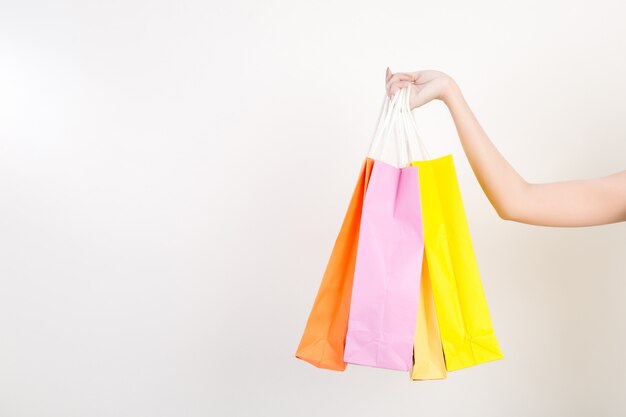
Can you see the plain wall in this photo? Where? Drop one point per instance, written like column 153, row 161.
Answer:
column 173, row 176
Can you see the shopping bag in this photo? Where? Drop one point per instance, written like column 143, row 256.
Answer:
column 323, row 340
column 465, row 326
column 383, row 309
column 428, row 361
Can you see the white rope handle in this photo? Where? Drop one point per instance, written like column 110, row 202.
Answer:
column 411, row 129
column 383, row 124
column 396, row 140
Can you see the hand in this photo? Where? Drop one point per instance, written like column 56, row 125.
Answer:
column 426, row 85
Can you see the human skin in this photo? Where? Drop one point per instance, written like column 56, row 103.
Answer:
column 574, row 203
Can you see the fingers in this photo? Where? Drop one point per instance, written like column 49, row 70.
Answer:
column 414, row 76
column 396, row 81
column 397, row 85
column 397, row 77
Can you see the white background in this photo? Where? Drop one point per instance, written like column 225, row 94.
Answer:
column 173, row 176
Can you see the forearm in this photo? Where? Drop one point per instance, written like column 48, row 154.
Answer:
column 565, row 203
column 502, row 185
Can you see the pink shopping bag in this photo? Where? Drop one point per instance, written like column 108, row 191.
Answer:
column 385, row 292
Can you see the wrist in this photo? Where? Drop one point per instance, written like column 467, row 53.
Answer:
column 450, row 93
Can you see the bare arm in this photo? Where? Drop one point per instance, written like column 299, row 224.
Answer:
column 572, row 203
column 567, row 203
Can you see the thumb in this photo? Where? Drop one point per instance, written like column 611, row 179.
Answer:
column 388, row 74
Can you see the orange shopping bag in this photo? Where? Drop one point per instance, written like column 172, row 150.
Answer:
column 323, row 341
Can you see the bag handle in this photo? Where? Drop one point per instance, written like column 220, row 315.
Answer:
column 396, row 140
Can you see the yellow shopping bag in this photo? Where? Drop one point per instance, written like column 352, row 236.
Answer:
column 465, row 328
column 428, row 362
